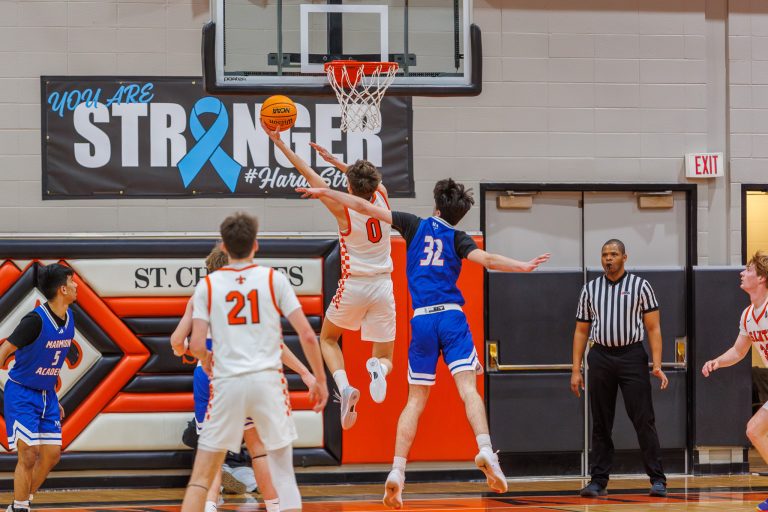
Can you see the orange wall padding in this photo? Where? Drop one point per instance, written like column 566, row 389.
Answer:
column 180, row 402
column 174, row 306
column 9, row 273
column 444, row 433
column 136, row 354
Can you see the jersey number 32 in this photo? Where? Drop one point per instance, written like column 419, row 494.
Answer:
column 433, row 251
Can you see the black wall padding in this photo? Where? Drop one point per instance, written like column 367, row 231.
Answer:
column 669, row 285
column 331, row 275
column 19, row 290
column 669, row 407
column 73, row 248
column 160, row 384
column 163, row 360
column 532, row 316
column 182, row 383
column 99, row 339
column 85, row 386
column 722, row 404
column 166, row 325
column 535, row 412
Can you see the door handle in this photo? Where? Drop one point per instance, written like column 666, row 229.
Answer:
column 495, row 366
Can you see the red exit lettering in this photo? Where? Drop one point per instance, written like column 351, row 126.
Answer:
column 705, row 164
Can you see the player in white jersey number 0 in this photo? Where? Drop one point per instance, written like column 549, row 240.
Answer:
column 364, row 299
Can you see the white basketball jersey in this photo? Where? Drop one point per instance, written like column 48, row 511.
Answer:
column 754, row 325
column 242, row 304
column 365, row 248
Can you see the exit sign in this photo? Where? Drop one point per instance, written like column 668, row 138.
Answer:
column 704, row 165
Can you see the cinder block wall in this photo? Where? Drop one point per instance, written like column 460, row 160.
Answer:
column 575, row 91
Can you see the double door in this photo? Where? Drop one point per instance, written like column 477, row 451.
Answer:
column 538, row 425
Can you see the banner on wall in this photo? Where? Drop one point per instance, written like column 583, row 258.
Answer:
column 105, row 137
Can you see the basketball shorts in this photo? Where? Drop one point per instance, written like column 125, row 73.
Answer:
column 367, row 304
column 445, row 332
column 262, row 396
column 201, row 392
column 31, row 415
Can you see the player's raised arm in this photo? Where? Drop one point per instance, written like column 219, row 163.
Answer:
column 349, row 201
column 730, row 357
column 493, row 261
column 328, row 157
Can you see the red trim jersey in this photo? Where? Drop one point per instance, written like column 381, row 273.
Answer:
column 242, row 304
column 365, row 247
column 754, row 325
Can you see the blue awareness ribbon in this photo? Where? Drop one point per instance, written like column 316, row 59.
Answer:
column 207, row 146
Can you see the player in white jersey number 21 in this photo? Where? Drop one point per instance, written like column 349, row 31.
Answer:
column 364, row 299
column 753, row 330
column 242, row 304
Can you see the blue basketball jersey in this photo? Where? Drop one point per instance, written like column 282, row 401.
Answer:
column 38, row 364
column 433, row 266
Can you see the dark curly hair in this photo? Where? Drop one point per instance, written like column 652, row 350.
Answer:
column 452, row 200
column 363, row 178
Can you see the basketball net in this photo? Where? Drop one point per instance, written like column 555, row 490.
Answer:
column 360, row 87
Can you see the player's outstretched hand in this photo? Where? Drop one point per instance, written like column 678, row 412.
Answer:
column 318, row 394
column 311, row 193
column 327, row 155
column 709, row 367
column 577, row 383
column 661, row 376
column 535, row 262
column 272, row 134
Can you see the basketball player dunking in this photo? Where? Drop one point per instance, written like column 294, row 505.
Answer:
column 364, row 299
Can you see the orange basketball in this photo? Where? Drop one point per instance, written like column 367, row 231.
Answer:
column 278, row 112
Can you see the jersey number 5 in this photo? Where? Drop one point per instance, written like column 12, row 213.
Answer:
column 434, row 252
column 234, row 317
column 373, row 227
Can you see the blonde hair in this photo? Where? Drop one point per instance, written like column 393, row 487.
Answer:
column 216, row 259
column 760, row 261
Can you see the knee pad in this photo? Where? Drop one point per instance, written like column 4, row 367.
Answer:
column 283, row 478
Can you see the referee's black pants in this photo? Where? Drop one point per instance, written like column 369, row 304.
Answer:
column 625, row 368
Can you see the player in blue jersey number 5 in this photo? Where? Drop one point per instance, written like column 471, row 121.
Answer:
column 32, row 413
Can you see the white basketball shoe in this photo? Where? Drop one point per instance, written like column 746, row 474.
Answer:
column 378, row 385
column 393, row 489
column 347, row 399
column 488, row 463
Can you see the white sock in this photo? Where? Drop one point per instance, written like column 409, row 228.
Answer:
column 399, row 463
column 30, row 497
column 273, row 505
column 21, row 504
column 210, row 506
column 384, row 367
column 340, row 376
column 484, row 441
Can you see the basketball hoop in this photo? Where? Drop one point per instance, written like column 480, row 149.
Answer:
column 360, row 87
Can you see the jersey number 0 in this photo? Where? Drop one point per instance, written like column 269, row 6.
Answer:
column 234, row 317
column 373, row 227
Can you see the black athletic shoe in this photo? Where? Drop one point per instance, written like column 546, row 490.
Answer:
column 593, row 490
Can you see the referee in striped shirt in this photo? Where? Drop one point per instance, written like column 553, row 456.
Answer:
column 613, row 310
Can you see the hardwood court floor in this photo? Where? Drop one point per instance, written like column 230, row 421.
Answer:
column 736, row 493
